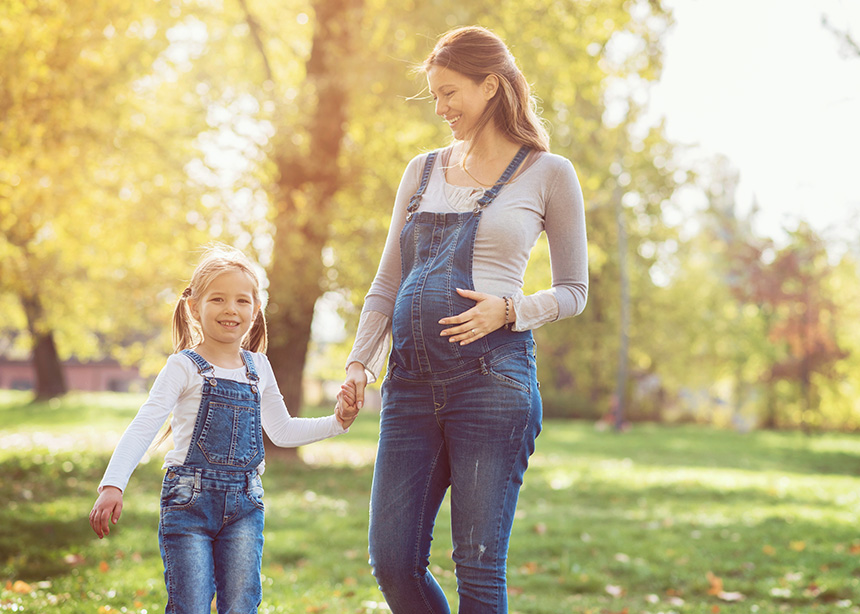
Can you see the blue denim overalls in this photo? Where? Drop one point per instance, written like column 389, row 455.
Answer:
column 459, row 416
column 211, row 527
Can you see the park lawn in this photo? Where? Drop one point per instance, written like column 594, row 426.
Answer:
column 656, row 520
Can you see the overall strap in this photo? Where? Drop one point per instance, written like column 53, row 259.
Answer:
column 250, row 370
column 491, row 194
column 416, row 198
column 199, row 361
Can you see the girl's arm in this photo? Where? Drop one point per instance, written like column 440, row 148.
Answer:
column 283, row 429
column 165, row 392
column 133, row 445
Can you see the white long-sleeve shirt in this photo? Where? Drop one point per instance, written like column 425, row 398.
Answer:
column 179, row 388
column 544, row 196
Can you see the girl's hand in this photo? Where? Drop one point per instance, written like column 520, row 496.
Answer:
column 350, row 399
column 487, row 315
column 345, row 414
column 106, row 509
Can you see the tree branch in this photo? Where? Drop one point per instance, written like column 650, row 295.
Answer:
column 256, row 31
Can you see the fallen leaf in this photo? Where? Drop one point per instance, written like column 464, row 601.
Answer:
column 615, row 591
column 104, row 567
column 716, row 584
column 797, row 546
column 769, row 550
column 19, row 586
column 73, row 559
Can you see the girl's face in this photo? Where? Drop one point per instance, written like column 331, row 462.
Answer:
column 459, row 100
column 227, row 308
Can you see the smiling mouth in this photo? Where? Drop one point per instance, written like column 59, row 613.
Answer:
column 229, row 324
column 453, row 121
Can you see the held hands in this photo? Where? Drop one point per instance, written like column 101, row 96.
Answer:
column 487, row 315
column 106, row 509
column 350, row 399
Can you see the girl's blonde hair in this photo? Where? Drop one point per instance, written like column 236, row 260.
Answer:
column 477, row 53
column 217, row 259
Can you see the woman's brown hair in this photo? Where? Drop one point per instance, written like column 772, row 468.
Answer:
column 476, row 52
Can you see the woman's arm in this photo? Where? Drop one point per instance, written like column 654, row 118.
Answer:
column 371, row 339
column 564, row 221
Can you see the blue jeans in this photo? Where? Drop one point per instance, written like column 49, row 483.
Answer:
column 472, row 428
column 211, row 539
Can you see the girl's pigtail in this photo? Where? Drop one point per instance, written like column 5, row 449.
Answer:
column 182, row 339
column 258, row 337
column 182, row 335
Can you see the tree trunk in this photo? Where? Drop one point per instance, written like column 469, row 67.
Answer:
column 306, row 185
column 624, row 320
column 50, row 379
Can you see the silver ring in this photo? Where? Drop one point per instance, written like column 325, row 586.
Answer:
column 474, row 331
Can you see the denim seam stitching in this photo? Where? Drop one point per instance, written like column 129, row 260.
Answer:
column 421, row 524
column 500, row 592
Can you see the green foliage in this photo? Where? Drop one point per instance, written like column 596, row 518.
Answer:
column 133, row 132
column 682, row 519
column 95, row 203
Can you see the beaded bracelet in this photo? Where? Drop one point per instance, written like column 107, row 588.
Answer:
column 508, row 324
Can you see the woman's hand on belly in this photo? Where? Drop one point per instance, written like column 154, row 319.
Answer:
column 487, row 315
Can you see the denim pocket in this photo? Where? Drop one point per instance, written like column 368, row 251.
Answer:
column 177, row 492
column 229, row 435
column 256, row 492
column 514, row 372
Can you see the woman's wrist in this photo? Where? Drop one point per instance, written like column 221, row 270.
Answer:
column 510, row 313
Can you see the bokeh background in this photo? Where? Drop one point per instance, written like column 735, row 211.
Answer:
column 716, row 144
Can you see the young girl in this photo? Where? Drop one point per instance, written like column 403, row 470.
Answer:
column 223, row 394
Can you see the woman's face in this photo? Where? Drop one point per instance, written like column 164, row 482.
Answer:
column 459, row 100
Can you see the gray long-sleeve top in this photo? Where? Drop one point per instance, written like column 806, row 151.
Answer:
column 544, row 196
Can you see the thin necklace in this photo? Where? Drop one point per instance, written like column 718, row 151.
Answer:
column 483, row 185
column 475, row 179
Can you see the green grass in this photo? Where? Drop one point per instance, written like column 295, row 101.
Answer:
column 657, row 520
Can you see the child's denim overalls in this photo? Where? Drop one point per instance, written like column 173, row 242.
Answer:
column 459, row 416
column 211, row 527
